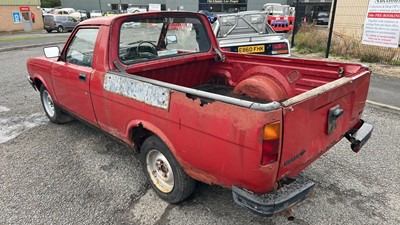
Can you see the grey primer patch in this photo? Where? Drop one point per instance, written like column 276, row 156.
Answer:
column 138, row 90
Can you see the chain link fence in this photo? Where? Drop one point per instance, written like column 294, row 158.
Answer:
column 312, row 31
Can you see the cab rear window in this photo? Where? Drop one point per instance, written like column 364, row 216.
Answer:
column 153, row 38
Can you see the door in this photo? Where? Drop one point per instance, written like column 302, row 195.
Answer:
column 27, row 21
column 71, row 23
column 71, row 75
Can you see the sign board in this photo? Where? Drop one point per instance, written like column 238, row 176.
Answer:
column 16, row 17
column 382, row 24
column 154, row 7
column 24, row 8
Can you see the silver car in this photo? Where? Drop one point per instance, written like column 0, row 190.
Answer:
column 60, row 23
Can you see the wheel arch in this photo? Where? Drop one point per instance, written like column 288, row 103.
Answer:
column 38, row 81
column 139, row 130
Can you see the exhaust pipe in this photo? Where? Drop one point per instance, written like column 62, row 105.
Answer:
column 289, row 215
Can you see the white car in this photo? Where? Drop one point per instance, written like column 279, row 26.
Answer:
column 136, row 10
column 70, row 11
column 96, row 13
column 248, row 32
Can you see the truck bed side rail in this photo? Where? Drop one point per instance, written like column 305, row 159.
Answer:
column 113, row 80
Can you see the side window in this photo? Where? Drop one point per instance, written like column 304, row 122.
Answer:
column 71, row 19
column 80, row 51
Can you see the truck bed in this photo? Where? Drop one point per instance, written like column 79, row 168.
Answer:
column 289, row 76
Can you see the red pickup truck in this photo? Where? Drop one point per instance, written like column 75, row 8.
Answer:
column 159, row 82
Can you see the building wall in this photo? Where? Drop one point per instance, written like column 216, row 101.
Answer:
column 350, row 17
column 7, row 7
column 105, row 5
column 188, row 5
column 258, row 4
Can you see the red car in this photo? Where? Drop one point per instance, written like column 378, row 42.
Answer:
column 250, row 123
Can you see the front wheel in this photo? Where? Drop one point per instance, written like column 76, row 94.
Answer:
column 52, row 111
column 164, row 173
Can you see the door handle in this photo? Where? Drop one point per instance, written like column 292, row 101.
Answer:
column 82, row 77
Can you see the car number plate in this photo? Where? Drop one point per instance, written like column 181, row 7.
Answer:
column 251, row 49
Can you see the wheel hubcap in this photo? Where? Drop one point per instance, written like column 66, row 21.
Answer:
column 48, row 103
column 160, row 171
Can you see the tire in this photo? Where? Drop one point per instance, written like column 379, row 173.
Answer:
column 60, row 29
column 49, row 31
column 163, row 172
column 53, row 112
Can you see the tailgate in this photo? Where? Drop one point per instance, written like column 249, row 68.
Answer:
column 317, row 119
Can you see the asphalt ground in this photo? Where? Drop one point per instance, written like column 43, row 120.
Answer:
column 385, row 90
column 72, row 174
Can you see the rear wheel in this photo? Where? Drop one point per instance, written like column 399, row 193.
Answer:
column 52, row 111
column 164, row 173
column 60, row 29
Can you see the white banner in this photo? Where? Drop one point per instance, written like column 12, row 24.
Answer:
column 154, row 7
column 382, row 24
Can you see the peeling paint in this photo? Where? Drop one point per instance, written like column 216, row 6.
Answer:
column 138, row 90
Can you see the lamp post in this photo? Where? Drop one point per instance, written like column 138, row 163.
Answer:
column 328, row 45
column 100, row 5
column 296, row 22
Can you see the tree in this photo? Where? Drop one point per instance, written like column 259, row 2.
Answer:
column 50, row 3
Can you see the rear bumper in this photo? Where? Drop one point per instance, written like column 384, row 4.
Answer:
column 274, row 202
column 358, row 137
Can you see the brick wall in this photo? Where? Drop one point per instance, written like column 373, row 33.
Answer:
column 7, row 22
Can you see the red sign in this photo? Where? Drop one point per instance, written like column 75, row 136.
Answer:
column 24, row 8
column 385, row 15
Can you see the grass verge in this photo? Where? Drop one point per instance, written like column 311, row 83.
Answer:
column 19, row 38
column 310, row 39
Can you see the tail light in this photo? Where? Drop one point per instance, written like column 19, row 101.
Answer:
column 280, row 48
column 270, row 143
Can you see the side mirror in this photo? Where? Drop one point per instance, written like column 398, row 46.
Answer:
column 172, row 39
column 51, row 52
